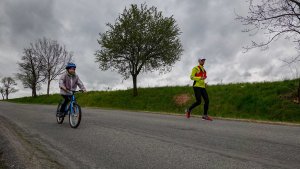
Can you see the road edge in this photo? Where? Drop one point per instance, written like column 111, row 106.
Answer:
column 200, row 116
column 18, row 151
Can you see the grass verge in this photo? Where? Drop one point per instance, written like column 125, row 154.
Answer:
column 268, row 101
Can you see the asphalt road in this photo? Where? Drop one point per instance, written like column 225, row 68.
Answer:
column 116, row 139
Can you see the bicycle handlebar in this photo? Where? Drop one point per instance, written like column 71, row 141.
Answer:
column 76, row 91
column 72, row 91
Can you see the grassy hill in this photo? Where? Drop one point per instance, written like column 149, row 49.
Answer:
column 271, row 101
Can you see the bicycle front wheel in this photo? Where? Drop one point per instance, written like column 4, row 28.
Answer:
column 75, row 116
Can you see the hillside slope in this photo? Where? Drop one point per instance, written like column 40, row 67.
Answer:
column 271, row 101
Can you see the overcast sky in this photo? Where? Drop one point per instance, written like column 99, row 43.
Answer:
column 209, row 30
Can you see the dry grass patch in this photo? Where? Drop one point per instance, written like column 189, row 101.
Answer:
column 181, row 99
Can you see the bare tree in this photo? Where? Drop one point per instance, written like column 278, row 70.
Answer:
column 53, row 56
column 275, row 19
column 31, row 69
column 8, row 88
column 2, row 91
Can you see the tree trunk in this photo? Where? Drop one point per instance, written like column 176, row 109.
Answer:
column 6, row 93
column 299, row 92
column 34, row 91
column 48, row 87
column 134, row 78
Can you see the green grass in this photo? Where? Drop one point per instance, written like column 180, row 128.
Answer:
column 271, row 101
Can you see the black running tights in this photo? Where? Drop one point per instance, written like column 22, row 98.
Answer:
column 198, row 93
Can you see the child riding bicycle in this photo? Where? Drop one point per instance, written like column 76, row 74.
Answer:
column 68, row 82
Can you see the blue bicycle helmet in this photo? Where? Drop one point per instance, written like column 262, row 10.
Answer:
column 70, row 65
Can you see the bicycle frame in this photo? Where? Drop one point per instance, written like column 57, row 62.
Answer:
column 69, row 107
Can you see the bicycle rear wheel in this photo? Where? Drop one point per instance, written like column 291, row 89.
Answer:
column 75, row 116
column 59, row 120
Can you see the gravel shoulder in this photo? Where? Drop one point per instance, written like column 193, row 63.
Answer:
column 18, row 151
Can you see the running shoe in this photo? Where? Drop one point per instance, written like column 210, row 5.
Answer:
column 187, row 113
column 207, row 118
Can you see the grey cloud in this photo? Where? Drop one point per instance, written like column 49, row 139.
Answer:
column 209, row 30
column 267, row 70
column 28, row 20
column 246, row 74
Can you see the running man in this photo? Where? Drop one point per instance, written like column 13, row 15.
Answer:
column 199, row 75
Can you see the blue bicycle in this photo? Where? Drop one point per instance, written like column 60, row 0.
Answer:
column 72, row 109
